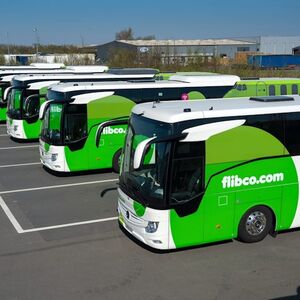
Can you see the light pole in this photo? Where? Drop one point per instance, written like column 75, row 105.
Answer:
column 37, row 40
column 8, row 50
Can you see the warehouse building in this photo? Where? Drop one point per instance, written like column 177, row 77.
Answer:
column 184, row 50
column 178, row 50
column 278, row 44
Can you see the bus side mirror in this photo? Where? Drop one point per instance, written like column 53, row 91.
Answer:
column 140, row 152
column 43, row 108
column 107, row 124
column 99, row 133
column 204, row 132
column 6, row 92
column 29, row 105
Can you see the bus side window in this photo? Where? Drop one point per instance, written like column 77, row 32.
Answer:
column 272, row 90
column 132, row 94
column 272, row 124
column 187, row 171
column 292, row 139
column 244, row 87
column 283, row 90
column 294, row 89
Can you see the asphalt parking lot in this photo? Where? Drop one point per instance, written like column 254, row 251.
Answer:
column 61, row 240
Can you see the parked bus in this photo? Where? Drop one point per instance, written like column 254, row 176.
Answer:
column 73, row 113
column 206, row 171
column 28, row 92
column 6, row 75
column 265, row 87
column 34, row 66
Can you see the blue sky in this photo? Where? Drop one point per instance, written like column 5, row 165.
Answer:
column 97, row 21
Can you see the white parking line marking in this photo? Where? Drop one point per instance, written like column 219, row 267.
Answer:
column 10, row 216
column 2, row 125
column 69, row 225
column 20, row 165
column 19, row 147
column 4, row 134
column 56, row 186
column 19, row 228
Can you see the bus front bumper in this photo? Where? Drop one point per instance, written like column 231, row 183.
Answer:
column 136, row 225
column 15, row 128
column 53, row 158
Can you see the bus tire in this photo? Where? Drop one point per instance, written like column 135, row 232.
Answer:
column 255, row 224
column 116, row 161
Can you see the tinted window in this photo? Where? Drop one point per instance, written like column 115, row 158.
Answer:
column 283, row 90
column 294, row 89
column 75, row 122
column 187, row 175
column 272, row 124
column 292, row 137
column 272, row 90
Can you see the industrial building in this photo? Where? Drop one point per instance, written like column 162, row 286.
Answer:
column 178, row 50
column 183, row 51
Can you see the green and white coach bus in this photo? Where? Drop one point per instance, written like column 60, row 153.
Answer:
column 28, row 92
column 265, row 87
column 77, row 114
column 7, row 74
column 205, row 171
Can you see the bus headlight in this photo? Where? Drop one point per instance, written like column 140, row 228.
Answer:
column 54, row 156
column 151, row 227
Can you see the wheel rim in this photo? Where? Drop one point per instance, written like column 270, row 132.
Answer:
column 256, row 223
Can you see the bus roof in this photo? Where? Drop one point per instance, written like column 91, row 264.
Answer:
column 49, row 71
column 130, row 71
column 268, row 80
column 178, row 111
column 90, row 69
column 24, row 80
column 174, row 81
column 33, row 66
column 36, row 77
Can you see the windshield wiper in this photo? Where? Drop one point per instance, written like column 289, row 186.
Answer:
column 187, row 200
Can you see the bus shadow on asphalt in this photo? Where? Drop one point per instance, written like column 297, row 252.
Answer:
column 289, row 230
column 290, row 297
column 157, row 251
column 77, row 173
column 19, row 141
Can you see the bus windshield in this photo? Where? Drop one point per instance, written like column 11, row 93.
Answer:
column 2, row 88
column 51, row 126
column 14, row 103
column 146, row 185
column 64, row 124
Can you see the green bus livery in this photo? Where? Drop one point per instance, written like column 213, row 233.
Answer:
column 74, row 113
column 28, row 92
column 205, row 171
column 8, row 73
column 105, row 154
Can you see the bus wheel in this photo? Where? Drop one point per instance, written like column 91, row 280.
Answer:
column 255, row 224
column 116, row 161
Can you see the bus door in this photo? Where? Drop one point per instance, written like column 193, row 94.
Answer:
column 219, row 216
column 261, row 89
